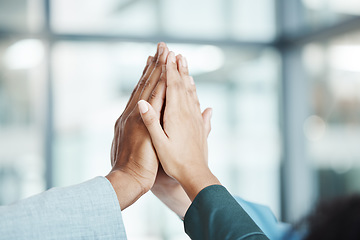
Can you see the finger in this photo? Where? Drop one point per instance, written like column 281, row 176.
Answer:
column 184, row 72
column 155, row 75
column 206, row 115
column 153, row 61
column 149, row 60
column 157, row 96
column 192, row 87
column 140, row 86
column 192, row 91
column 192, row 82
column 136, row 89
column 173, row 76
column 182, row 65
column 175, row 89
column 152, row 123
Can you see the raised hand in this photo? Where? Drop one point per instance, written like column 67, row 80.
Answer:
column 133, row 158
column 181, row 144
column 167, row 189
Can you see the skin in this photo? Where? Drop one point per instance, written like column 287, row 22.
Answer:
column 136, row 168
column 134, row 161
column 167, row 189
column 181, row 142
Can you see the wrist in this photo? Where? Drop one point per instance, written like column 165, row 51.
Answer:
column 174, row 197
column 196, row 179
column 127, row 188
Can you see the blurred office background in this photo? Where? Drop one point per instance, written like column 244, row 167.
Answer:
column 283, row 78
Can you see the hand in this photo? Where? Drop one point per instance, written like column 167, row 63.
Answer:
column 181, row 146
column 133, row 158
column 167, row 189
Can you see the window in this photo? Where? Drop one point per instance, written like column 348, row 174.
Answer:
column 282, row 77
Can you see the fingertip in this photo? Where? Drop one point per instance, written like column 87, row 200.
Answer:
column 149, row 60
column 161, row 43
column 171, row 58
column 178, row 57
column 207, row 115
column 164, row 55
column 184, row 62
column 183, row 66
column 192, row 82
column 208, row 112
column 178, row 62
column 164, row 45
column 143, row 106
column 157, row 51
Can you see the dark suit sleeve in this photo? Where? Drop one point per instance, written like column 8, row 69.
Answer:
column 215, row 214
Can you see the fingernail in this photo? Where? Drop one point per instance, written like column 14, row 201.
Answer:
column 184, row 62
column 143, row 107
column 171, row 57
column 161, row 50
column 192, row 81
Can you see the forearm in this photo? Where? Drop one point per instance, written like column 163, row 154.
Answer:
column 177, row 197
column 174, row 197
column 77, row 212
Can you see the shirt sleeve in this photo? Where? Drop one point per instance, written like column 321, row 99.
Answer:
column 215, row 214
column 267, row 222
column 89, row 210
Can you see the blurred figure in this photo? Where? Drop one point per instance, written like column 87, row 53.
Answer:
column 336, row 219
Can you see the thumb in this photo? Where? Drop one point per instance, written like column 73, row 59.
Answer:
column 206, row 115
column 152, row 123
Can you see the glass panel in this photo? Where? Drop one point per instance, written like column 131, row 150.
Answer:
column 93, row 81
column 21, row 15
column 331, row 10
column 333, row 129
column 22, row 119
column 104, row 16
column 214, row 19
column 305, row 15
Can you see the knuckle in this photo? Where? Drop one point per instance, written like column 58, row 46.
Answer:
column 150, row 121
column 185, row 70
column 153, row 95
column 159, row 63
column 162, row 78
column 162, row 60
column 130, row 119
column 163, row 68
column 142, row 83
column 190, row 91
column 177, row 84
column 154, row 59
column 147, row 84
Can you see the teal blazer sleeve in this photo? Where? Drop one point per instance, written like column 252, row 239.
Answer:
column 215, row 214
column 88, row 210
